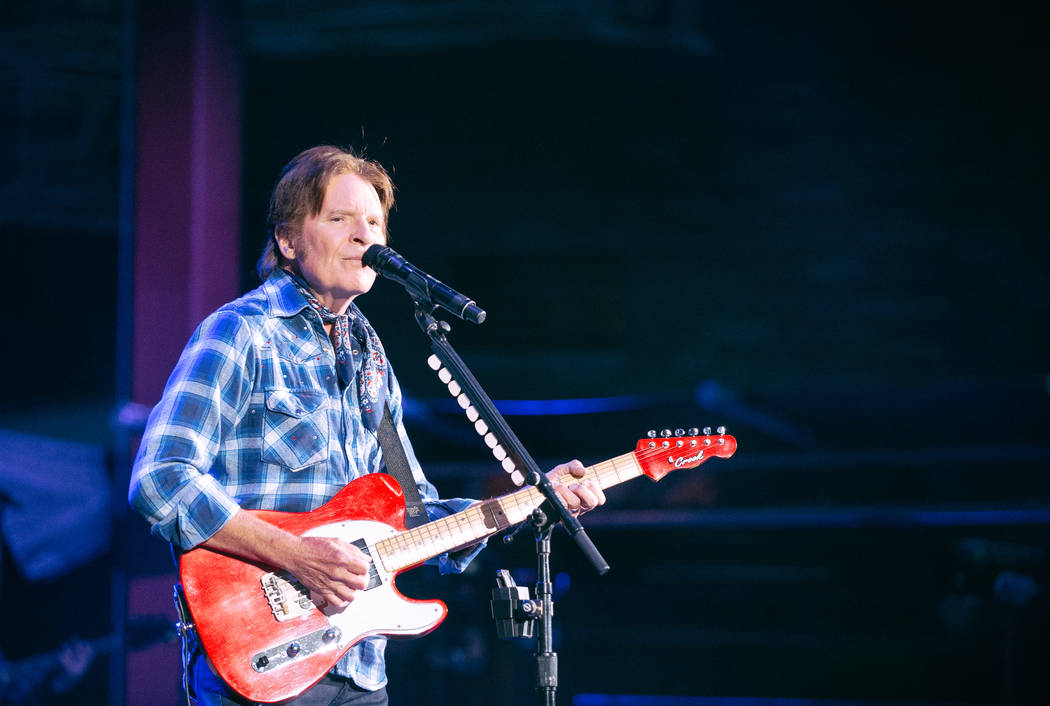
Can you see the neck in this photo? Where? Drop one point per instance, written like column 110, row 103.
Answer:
column 485, row 519
column 334, row 304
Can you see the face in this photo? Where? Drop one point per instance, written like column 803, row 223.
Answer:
column 327, row 254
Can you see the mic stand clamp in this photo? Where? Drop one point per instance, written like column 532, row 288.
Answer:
column 512, row 609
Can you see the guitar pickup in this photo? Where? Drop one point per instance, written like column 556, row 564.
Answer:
column 373, row 574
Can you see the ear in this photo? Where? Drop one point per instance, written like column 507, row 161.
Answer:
column 285, row 243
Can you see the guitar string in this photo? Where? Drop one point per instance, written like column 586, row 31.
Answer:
column 416, row 545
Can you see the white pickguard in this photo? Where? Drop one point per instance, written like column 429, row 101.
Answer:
column 381, row 609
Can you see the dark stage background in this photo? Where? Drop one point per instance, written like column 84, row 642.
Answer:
column 821, row 224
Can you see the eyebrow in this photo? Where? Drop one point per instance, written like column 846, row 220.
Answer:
column 348, row 212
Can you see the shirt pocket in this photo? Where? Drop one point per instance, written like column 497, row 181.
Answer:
column 295, row 428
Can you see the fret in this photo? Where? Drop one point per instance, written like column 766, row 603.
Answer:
column 520, row 504
column 625, row 467
column 494, row 516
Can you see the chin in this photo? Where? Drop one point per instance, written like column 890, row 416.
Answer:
column 362, row 286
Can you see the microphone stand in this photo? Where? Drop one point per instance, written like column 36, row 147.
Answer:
column 546, row 659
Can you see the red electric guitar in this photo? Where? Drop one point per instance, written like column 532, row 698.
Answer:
column 267, row 639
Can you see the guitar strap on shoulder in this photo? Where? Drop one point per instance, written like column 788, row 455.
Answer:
column 397, row 465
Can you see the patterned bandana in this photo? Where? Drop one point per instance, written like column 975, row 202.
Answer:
column 358, row 353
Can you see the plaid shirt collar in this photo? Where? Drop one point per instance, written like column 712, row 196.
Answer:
column 282, row 298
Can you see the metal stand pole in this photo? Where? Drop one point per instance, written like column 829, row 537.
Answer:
column 546, row 657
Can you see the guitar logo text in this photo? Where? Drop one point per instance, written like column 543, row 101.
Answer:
column 682, row 460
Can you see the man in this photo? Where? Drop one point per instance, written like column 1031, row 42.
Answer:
column 274, row 405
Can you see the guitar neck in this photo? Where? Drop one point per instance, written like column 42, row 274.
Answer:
column 485, row 519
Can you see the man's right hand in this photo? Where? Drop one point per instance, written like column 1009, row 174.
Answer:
column 332, row 569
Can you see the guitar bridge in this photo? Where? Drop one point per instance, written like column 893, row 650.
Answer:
column 287, row 597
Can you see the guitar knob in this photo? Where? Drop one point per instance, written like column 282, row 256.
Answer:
column 651, row 433
column 693, row 431
column 721, row 430
column 665, row 433
column 330, row 635
column 679, row 432
column 294, row 649
column 707, row 431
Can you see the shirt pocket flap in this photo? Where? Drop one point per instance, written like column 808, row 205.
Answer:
column 295, row 403
column 291, row 346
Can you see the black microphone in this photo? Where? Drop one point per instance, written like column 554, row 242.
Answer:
column 420, row 285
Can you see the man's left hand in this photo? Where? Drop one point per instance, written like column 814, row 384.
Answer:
column 579, row 495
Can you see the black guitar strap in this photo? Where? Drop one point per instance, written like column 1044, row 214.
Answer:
column 397, row 465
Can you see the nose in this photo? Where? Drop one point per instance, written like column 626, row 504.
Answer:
column 365, row 234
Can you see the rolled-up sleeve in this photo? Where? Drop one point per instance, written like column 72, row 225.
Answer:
column 200, row 406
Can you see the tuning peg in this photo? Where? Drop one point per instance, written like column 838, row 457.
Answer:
column 665, row 433
column 651, row 433
column 679, row 432
column 721, row 430
column 693, row 431
column 707, row 431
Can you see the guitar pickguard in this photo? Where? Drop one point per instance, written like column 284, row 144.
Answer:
column 379, row 608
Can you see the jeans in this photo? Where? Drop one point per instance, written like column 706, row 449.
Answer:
column 330, row 691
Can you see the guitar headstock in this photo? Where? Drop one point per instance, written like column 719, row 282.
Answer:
column 659, row 455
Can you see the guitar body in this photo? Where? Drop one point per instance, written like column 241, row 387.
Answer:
column 270, row 643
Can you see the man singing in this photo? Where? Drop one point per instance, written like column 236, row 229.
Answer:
column 274, row 404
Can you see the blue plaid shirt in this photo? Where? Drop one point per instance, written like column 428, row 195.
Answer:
column 253, row 417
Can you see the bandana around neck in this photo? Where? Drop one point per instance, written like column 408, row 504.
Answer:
column 358, row 354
